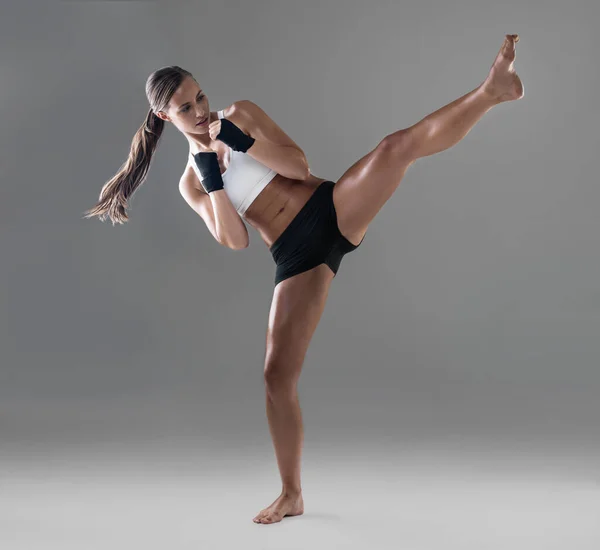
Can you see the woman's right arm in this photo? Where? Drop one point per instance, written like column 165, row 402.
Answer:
column 217, row 211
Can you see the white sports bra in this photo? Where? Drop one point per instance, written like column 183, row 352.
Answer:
column 244, row 178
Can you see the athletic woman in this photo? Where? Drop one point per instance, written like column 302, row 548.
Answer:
column 242, row 166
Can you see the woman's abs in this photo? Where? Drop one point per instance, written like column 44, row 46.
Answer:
column 277, row 205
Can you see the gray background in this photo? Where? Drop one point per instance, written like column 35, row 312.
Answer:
column 450, row 393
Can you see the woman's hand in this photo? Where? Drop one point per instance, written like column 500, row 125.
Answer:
column 227, row 132
column 214, row 129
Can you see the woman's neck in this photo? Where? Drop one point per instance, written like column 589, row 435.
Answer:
column 202, row 142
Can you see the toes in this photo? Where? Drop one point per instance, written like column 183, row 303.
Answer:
column 512, row 39
column 261, row 518
column 270, row 518
column 258, row 517
column 508, row 48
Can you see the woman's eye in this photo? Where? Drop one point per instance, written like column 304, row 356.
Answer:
column 186, row 109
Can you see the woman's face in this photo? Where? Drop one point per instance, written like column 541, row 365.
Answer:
column 189, row 106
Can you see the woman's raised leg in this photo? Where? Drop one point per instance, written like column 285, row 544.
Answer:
column 367, row 185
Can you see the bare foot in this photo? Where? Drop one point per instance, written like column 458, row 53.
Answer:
column 502, row 82
column 284, row 505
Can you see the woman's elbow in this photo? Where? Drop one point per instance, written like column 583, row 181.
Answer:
column 236, row 243
column 240, row 246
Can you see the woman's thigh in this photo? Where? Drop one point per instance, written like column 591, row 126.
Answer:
column 296, row 309
column 368, row 184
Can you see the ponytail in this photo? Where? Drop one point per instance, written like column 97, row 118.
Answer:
column 117, row 192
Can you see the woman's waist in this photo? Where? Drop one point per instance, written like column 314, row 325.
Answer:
column 278, row 204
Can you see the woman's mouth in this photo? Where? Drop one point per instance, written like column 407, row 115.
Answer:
column 203, row 122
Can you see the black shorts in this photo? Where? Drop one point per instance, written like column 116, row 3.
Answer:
column 312, row 237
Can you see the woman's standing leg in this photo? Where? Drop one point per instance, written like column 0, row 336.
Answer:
column 298, row 303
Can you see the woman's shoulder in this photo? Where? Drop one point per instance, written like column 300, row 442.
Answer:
column 235, row 113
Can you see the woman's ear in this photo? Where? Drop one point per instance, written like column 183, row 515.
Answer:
column 164, row 116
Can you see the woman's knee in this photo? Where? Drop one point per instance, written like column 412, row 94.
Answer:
column 402, row 142
column 281, row 379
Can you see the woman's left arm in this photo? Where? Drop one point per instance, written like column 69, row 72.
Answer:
column 272, row 146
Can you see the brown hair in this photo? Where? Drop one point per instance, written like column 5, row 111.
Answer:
column 115, row 194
